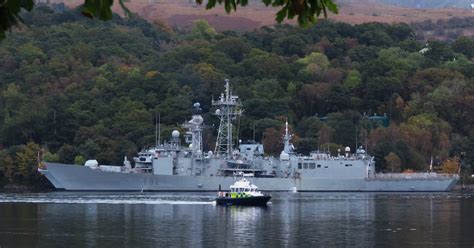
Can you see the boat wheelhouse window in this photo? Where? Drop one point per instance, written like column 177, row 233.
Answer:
column 319, row 166
column 348, row 165
column 305, row 165
column 325, row 167
column 300, row 166
column 312, row 166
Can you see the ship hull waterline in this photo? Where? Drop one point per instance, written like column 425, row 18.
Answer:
column 82, row 178
column 243, row 201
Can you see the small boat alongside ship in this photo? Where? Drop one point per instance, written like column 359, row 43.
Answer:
column 242, row 193
column 174, row 167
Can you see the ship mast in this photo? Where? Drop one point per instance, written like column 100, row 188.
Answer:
column 286, row 140
column 194, row 131
column 228, row 109
column 194, row 137
column 287, row 146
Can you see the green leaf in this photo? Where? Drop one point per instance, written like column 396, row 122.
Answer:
column 280, row 15
column 227, row 6
column 9, row 14
column 126, row 11
column 210, row 4
column 98, row 8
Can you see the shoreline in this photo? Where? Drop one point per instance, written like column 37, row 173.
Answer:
column 463, row 188
column 15, row 188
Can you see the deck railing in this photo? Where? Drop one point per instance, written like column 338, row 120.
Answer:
column 421, row 175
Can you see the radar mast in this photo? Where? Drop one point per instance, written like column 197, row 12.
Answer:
column 194, row 132
column 228, row 109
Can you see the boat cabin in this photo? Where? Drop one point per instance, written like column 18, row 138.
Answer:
column 251, row 188
column 242, row 188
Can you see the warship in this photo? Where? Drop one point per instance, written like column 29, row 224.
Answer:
column 170, row 166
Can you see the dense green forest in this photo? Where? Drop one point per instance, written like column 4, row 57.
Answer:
column 77, row 88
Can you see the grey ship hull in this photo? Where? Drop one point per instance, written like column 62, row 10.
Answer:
column 82, row 178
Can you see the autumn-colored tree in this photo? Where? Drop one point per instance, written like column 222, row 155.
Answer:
column 393, row 162
column 27, row 162
column 451, row 165
column 427, row 134
column 7, row 168
column 272, row 141
column 325, row 134
column 312, row 98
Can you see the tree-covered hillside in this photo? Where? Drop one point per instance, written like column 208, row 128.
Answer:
column 79, row 89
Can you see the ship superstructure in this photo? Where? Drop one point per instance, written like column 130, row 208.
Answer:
column 174, row 167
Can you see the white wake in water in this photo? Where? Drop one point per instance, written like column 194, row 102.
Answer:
column 105, row 200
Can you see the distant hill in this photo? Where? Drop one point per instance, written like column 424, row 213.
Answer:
column 415, row 4
column 430, row 4
column 183, row 13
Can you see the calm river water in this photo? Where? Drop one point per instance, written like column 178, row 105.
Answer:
column 64, row 219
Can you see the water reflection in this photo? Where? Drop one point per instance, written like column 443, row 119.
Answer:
column 306, row 219
column 423, row 220
column 331, row 219
column 241, row 225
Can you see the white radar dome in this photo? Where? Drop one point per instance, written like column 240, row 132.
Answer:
column 218, row 111
column 348, row 149
column 175, row 134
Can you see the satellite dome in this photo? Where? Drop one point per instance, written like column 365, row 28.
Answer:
column 348, row 149
column 197, row 105
column 175, row 134
column 218, row 111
